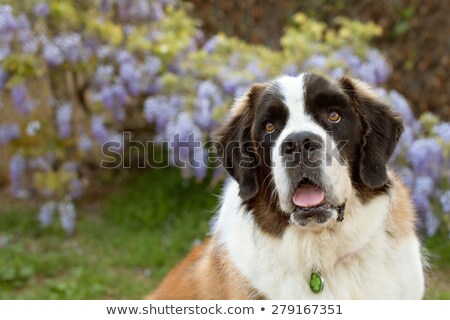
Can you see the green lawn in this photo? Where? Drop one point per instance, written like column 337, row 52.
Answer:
column 123, row 245
column 125, row 241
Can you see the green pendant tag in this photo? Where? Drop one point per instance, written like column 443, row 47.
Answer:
column 316, row 282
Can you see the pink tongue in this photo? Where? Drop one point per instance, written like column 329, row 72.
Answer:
column 308, row 196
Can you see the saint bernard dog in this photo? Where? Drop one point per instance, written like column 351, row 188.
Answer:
column 311, row 210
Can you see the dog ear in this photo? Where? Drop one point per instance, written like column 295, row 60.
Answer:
column 381, row 131
column 236, row 147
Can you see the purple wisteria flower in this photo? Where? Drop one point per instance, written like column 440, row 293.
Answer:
column 423, row 188
column 432, row 224
column 401, row 106
column 445, row 201
column 98, row 129
column 199, row 162
column 152, row 65
column 240, row 91
column 21, row 99
column 424, row 185
column 5, row 51
column 114, row 97
column 154, row 86
column 105, row 5
column 17, row 167
column 426, row 157
column 407, row 176
column 183, row 136
column 76, row 189
column 64, row 120
column 160, row 110
column 116, row 141
column 104, row 74
column 128, row 29
column 75, row 185
column 380, row 68
column 123, row 56
column 28, row 41
column 211, row 45
column 374, row 69
column 175, row 66
column 155, row 35
column 203, row 116
column 443, row 131
column 133, row 9
column 209, row 89
column 42, row 163
column 23, row 22
column 150, row 82
column 104, row 52
column 71, row 45
column 231, row 84
column 8, row 22
column 67, row 216
column 157, row 11
column 337, row 73
column 70, row 166
column 254, row 68
column 408, row 136
column 406, row 139
column 291, row 70
column 131, row 76
column 41, row 9
column 184, row 127
column 8, row 132
column 382, row 93
column 234, row 60
column 46, row 213
column 316, row 61
column 209, row 97
column 52, row 55
column 84, row 143
column 365, row 72
column 347, row 55
column 231, row 80
column 427, row 219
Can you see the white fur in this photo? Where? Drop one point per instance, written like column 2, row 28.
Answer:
column 375, row 266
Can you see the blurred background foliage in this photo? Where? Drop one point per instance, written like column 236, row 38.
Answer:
column 414, row 36
column 75, row 74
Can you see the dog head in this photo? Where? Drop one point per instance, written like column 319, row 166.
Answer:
column 300, row 147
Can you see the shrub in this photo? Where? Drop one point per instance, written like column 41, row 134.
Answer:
column 77, row 74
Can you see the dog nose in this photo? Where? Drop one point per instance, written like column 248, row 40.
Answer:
column 301, row 142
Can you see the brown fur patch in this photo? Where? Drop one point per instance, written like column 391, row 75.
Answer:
column 402, row 218
column 267, row 214
column 206, row 273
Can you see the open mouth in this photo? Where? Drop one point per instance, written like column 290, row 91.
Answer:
column 311, row 205
column 308, row 194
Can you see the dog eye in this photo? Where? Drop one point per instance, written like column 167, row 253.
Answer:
column 269, row 127
column 334, row 117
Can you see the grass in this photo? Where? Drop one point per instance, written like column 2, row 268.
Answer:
column 439, row 275
column 121, row 249
column 125, row 242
